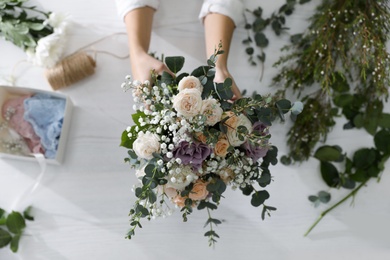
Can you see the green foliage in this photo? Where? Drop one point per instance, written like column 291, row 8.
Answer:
column 18, row 26
column 321, row 197
column 256, row 38
column 14, row 225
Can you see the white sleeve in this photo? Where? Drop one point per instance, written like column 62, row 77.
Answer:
column 125, row 6
column 231, row 8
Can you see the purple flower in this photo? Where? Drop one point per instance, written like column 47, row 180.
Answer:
column 260, row 127
column 257, row 151
column 253, row 151
column 192, row 153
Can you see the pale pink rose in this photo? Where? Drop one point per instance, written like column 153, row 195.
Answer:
column 146, row 144
column 190, row 82
column 188, row 102
column 232, row 135
column 199, row 190
column 212, row 110
column 170, row 192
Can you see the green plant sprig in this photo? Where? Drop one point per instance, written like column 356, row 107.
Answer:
column 19, row 26
column 14, row 224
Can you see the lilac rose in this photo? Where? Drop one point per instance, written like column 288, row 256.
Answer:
column 257, row 151
column 192, row 153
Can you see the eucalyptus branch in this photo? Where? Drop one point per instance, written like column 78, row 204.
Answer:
column 323, row 214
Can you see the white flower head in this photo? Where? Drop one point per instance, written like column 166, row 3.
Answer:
column 190, row 82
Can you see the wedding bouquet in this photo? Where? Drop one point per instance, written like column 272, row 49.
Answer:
column 40, row 34
column 190, row 141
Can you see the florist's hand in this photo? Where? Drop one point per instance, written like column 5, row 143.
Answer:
column 142, row 64
column 221, row 75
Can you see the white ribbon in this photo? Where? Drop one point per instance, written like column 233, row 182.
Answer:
column 25, row 196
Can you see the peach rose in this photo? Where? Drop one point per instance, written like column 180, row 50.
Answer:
column 188, row 102
column 232, row 121
column 201, row 137
column 221, row 147
column 212, row 110
column 190, row 82
column 199, row 190
column 179, row 201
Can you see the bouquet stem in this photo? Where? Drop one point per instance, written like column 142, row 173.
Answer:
column 322, row 215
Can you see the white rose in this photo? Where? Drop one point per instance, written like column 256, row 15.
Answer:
column 190, row 82
column 180, row 180
column 232, row 130
column 146, row 144
column 212, row 110
column 188, row 102
column 49, row 50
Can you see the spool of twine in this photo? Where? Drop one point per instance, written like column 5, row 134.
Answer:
column 70, row 70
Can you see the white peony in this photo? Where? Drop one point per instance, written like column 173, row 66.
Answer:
column 146, row 144
column 212, row 110
column 188, row 102
column 241, row 120
column 59, row 21
column 48, row 51
column 190, row 82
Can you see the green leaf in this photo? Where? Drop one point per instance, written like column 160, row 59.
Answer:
column 329, row 174
column 27, row 214
column 259, row 197
column 364, row 158
column 324, row 196
column 5, row 238
column 249, row 50
column 15, row 243
column 313, row 198
column 328, row 153
column 382, row 141
column 224, row 89
column 15, row 222
column 340, row 84
column 36, row 26
column 285, row 160
column 149, row 170
column 261, row 40
column 175, row 64
column 296, row 38
column 283, row 105
column 384, row 120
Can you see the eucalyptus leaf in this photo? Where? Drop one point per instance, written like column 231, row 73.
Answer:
column 15, row 243
column 328, row 153
column 15, row 222
column 5, row 238
column 259, row 197
column 382, row 141
column 329, row 174
column 261, row 40
column 175, row 64
column 324, row 196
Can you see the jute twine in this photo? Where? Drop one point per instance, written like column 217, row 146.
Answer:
column 76, row 66
column 70, row 70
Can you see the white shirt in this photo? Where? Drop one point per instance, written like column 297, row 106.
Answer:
column 231, row 8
